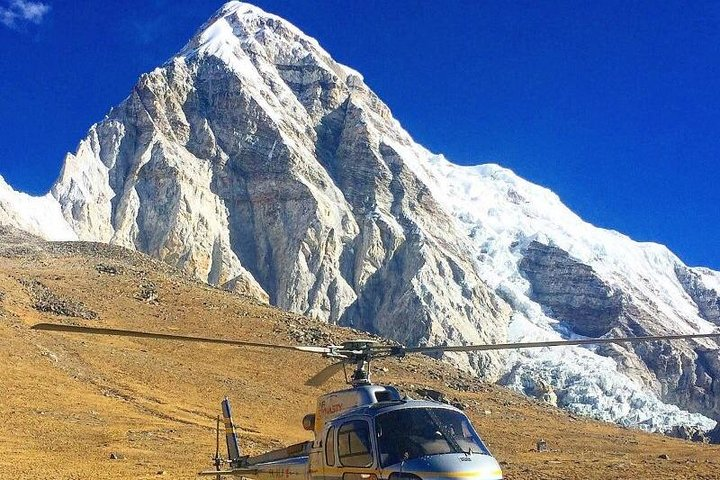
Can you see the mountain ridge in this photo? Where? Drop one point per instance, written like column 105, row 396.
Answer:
column 252, row 159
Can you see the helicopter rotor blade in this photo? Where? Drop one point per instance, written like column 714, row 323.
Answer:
column 55, row 327
column 325, row 374
column 392, row 351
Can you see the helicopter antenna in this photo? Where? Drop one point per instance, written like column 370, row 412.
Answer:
column 218, row 460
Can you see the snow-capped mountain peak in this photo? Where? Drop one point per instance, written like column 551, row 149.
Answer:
column 240, row 27
column 255, row 161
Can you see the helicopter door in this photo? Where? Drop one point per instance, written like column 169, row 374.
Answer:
column 355, row 451
column 329, row 458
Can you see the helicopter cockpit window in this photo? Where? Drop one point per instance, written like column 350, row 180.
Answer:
column 353, row 444
column 330, row 447
column 410, row 433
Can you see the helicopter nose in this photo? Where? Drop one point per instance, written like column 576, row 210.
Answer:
column 491, row 474
column 450, row 467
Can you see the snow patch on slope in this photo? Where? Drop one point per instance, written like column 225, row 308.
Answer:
column 40, row 216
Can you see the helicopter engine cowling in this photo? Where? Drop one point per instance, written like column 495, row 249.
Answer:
column 332, row 405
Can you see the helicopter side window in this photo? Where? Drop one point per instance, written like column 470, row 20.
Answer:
column 353, row 444
column 330, row 447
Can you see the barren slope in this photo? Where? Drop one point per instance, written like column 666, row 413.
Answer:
column 67, row 403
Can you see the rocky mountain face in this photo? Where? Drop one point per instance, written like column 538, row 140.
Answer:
column 253, row 160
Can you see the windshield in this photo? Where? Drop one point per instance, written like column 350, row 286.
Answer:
column 410, row 433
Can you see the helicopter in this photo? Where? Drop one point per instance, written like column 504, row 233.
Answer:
column 367, row 431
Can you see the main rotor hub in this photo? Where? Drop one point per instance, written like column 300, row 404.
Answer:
column 360, row 353
column 359, row 345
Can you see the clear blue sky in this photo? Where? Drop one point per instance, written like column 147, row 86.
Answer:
column 613, row 105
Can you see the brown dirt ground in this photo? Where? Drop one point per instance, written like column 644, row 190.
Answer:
column 67, row 402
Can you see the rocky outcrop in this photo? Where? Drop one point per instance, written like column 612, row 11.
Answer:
column 706, row 299
column 714, row 435
column 571, row 291
column 689, row 433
